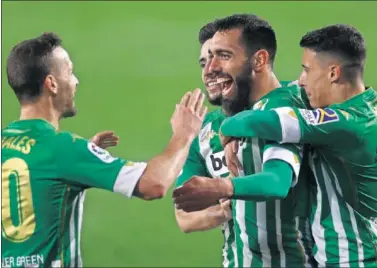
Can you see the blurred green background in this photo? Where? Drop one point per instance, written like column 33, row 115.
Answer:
column 134, row 61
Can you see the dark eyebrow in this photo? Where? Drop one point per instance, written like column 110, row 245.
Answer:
column 222, row 50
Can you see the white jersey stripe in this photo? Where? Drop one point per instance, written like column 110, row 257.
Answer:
column 279, row 235
column 261, row 209
column 300, row 242
column 317, row 229
column 240, row 212
column 337, row 220
column 226, row 247
column 80, row 215
column 360, row 249
column 72, row 232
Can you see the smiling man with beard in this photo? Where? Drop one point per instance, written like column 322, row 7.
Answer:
column 206, row 158
column 267, row 231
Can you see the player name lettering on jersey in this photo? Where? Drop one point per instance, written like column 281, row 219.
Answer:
column 23, row 261
column 22, row 144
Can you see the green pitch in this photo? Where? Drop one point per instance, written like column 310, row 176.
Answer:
column 134, row 61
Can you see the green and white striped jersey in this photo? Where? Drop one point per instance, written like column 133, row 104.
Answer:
column 344, row 210
column 207, row 158
column 44, row 177
column 269, row 234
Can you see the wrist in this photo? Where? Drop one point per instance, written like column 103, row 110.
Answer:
column 226, row 188
column 181, row 140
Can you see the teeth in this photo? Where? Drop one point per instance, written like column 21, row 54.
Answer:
column 218, row 81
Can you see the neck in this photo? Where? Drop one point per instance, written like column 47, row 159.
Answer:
column 343, row 92
column 264, row 83
column 40, row 110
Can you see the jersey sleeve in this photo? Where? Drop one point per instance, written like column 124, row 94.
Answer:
column 194, row 165
column 289, row 153
column 82, row 163
column 324, row 126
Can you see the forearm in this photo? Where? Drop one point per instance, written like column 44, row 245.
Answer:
column 162, row 170
column 263, row 124
column 272, row 183
column 203, row 220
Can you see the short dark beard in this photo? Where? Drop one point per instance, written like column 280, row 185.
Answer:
column 69, row 113
column 215, row 101
column 240, row 101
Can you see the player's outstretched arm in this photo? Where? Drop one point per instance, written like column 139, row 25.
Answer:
column 281, row 166
column 322, row 126
column 162, row 170
column 248, row 124
column 81, row 162
column 204, row 220
column 200, row 193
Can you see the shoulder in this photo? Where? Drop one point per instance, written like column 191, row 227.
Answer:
column 67, row 141
column 285, row 96
column 213, row 116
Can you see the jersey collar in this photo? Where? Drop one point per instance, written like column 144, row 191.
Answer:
column 37, row 123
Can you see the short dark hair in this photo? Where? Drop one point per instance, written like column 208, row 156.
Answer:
column 29, row 63
column 341, row 40
column 257, row 33
column 206, row 32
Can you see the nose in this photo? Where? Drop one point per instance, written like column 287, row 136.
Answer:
column 301, row 80
column 214, row 65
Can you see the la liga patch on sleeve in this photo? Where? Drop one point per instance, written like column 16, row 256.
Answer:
column 100, row 153
column 319, row 116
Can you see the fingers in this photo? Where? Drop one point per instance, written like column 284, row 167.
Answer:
column 203, row 112
column 199, row 104
column 191, row 206
column 186, row 99
column 196, row 102
column 233, row 168
column 225, row 202
column 180, row 190
column 234, row 145
column 105, row 134
column 105, row 145
column 105, row 139
column 231, row 157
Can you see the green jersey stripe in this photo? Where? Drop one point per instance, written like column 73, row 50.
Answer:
column 261, row 207
column 63, row 216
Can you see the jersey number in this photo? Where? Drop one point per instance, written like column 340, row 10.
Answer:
column 16, row 193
